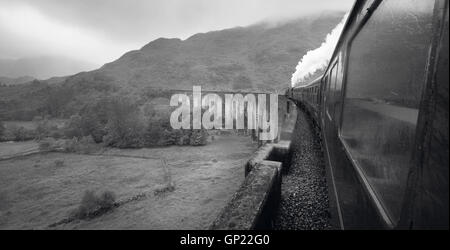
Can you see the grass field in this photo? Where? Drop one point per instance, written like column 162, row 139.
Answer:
column 37, row 190
column 12, row 148
column 59, row 123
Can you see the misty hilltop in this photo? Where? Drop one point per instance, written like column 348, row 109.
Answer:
column 259, row 57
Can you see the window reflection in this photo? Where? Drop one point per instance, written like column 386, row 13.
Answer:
column 386, row 72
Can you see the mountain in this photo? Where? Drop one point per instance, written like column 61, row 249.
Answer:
column 42, row 67
column 12, row 81
column 260, row 57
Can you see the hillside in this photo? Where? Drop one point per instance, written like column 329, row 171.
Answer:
column 12, row 81
column 42, row 67
column 258, row 57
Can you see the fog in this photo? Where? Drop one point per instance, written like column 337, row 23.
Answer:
column 99, row 31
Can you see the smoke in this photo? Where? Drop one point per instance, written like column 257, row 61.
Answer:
column 318, row 59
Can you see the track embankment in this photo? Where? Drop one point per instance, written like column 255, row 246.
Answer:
column 304, row 195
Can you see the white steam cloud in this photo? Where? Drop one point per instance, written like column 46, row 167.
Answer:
column 317, row 59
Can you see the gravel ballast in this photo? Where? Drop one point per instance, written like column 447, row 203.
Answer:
column 304, row 196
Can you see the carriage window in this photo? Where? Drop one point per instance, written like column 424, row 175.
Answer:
column 317, row 96
column 338, row 91
column 386, row 73
column 324, row 84
column 331, row 90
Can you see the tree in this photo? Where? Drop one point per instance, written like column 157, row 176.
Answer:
column 74, row 127
column 56, row 100
column 44, row 128
column 20, row 133
column 198, row 137
column 89, row 123
column 153, row 134
column 2, row 129
column 125, row 127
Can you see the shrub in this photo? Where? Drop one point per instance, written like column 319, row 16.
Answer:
column 198, row 137
column 57, row 134
column 48, row 144
column 122, row 136
column 168, row 137
column 93, row 205
column 2, row 129
column 125, row 127
column 59, row 163
column 84, row 145
column 153, row 134
column 164, row 189
column 85, row 125
column 43, row 129
column 92, row 126
column 185, row 137
column 74, row 127
column 20, row 133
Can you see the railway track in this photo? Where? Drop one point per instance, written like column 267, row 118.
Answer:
column 304, row 196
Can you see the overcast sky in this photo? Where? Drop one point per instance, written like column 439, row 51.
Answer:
column 99, row 31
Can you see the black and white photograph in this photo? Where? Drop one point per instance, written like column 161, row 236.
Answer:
column 224, row 115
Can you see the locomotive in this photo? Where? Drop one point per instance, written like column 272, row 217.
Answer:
column 381, row 108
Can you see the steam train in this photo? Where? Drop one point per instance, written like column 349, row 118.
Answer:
column 382, row 111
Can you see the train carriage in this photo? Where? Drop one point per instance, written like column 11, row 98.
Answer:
column 382, row 107
column 307, row 96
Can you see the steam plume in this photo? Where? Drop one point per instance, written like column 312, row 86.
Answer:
column 317, row 59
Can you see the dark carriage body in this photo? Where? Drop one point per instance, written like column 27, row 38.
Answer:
column 382, row 109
